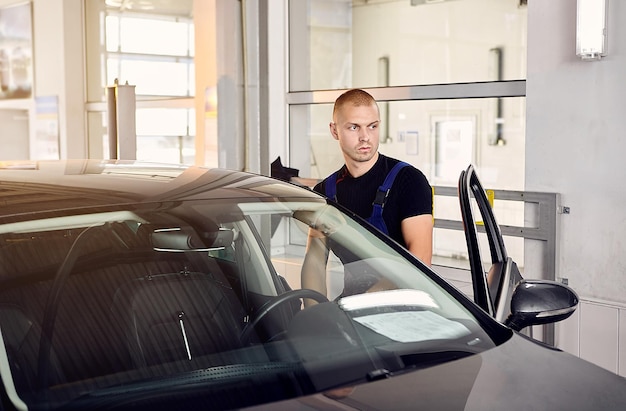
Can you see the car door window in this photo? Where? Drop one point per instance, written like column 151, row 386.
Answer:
column 494, row 273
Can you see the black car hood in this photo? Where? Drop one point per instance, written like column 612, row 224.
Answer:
column 517, row 375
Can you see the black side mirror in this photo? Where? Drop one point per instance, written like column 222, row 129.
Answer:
column 537, row 302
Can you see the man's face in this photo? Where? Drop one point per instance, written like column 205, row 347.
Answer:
column 356, row 129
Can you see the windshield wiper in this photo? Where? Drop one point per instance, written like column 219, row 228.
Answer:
column 379, row 374
column 398, row 359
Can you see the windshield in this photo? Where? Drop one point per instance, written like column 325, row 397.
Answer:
column 227, row 302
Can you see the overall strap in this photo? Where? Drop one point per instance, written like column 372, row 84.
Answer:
column 376, row 218
column 331, row 186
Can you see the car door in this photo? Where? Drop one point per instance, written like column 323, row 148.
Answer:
column 494, row 277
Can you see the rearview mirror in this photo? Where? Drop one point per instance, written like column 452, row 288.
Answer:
column 181, row 239
column 537, row 302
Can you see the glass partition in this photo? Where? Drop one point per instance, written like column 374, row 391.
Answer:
column 337, row 44
column 441, row 138
column 149, row 46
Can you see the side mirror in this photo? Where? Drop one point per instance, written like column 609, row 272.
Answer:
column 537, row 302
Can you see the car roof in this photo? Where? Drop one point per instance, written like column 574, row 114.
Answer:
column 44, row 186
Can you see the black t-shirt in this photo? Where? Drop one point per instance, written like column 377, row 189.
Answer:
column 410, row 194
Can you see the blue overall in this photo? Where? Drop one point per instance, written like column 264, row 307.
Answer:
column 376, row 219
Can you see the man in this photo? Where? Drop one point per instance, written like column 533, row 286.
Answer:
column 407, row 211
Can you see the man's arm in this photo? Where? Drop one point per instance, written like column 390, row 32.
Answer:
column 313, row 274
column 417, row 232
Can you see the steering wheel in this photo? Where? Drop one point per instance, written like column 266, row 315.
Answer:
column 275, row 302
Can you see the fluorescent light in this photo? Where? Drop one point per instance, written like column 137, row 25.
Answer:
column 591, row 34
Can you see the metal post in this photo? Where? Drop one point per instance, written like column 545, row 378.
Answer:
column 122, row 132
column 543, row 228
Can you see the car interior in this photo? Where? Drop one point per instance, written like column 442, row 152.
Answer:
column 141, row 298
column 146, row 307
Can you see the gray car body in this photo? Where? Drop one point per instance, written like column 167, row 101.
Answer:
column 519, row 374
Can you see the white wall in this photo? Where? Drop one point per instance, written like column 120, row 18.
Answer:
column 575, row 146
column 429, row 44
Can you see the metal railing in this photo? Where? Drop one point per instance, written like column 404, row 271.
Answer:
column 540, row 215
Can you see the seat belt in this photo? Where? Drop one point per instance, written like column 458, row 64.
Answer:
column 376, row 219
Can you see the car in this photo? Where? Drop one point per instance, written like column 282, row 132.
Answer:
column 131, row 285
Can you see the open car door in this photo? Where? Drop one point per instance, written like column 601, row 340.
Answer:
column 499, row 289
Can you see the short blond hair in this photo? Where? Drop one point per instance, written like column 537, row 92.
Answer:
column 355, row 97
